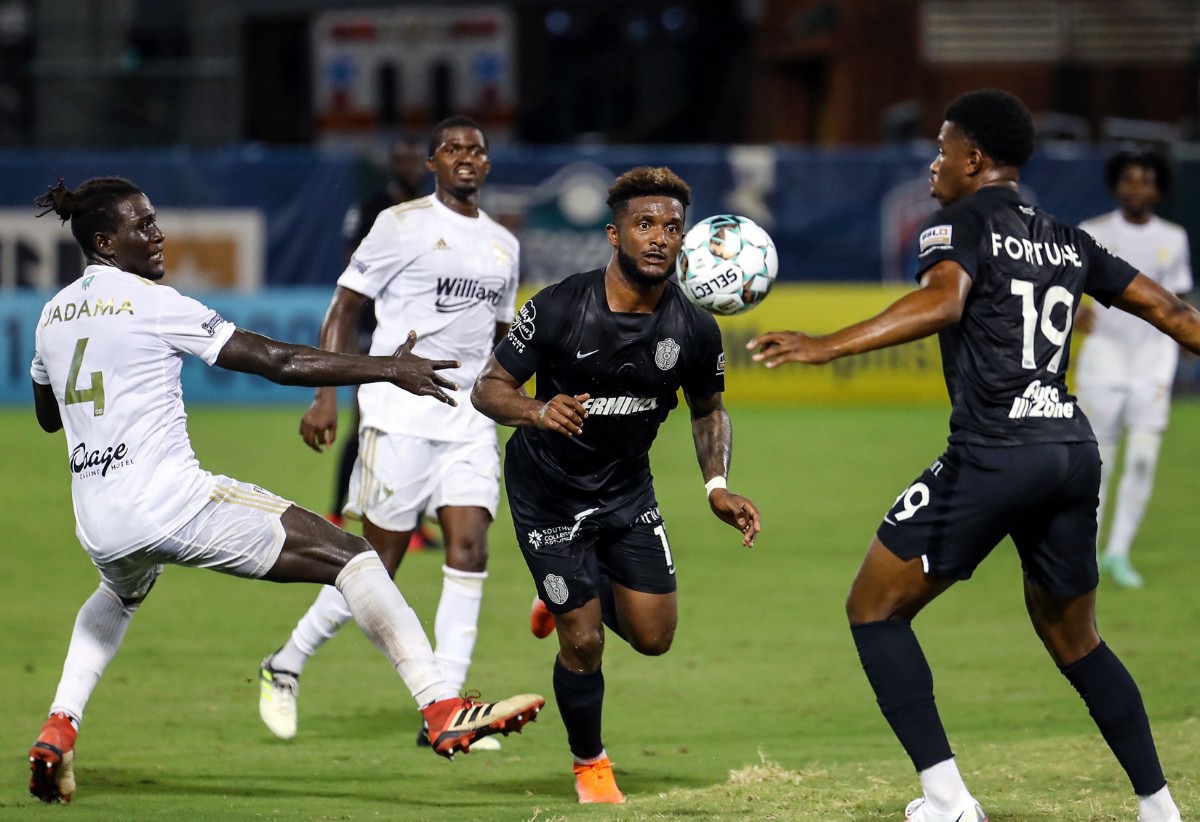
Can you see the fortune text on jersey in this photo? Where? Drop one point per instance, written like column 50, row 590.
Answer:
column 1035, row 253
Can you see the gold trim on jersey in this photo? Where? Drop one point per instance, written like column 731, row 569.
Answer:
column 368, row 445
column 261, row 501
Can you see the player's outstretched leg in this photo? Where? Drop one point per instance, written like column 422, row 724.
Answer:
column 457, row 722
column 52, row 760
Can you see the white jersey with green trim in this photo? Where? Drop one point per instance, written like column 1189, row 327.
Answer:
column 450, row 278
column 111, row 347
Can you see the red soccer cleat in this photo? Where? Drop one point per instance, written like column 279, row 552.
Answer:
column 457, row 722
column 52, row 761
column 541, row 621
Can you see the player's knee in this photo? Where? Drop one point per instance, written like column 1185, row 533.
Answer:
column 467, row 554
column 653, row 644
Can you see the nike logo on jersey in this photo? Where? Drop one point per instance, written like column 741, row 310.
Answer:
column 579, row 355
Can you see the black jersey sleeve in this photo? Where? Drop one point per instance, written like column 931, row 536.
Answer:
column 531, row 335
column 1108, row 275
column 706, row 372
column 951, row 233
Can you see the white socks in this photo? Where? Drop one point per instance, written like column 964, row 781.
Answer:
column 99, row 628
column 1158, row 807
column 457, row 623
column 455, row 626
column 1137, row 481
column 392, row 626
column 942, row 785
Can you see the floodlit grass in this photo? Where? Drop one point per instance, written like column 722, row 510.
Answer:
column 760, row 711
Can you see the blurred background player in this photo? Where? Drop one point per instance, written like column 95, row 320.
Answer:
column 406, row 172
column 1127, row 368
column 610, row 347
column 440, row 265
column 106, row 368
column 999, row 279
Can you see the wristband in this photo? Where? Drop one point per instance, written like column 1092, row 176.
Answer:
column 713, row 484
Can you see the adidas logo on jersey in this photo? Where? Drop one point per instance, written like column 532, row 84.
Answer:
column 1040, row 401
column 441, row 245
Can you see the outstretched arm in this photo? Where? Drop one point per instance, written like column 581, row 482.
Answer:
column 936, row 305
column 318, row 426
column 291, row 364
column 1165, row 311
column 713, row 435
column 45, row 406
column 499, row 395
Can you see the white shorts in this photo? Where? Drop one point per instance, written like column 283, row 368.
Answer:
column 1114, row 409
column 237, row 532
column 397, row 476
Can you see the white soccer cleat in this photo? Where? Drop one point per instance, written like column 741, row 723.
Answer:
column 965, row 810
column 277, row 695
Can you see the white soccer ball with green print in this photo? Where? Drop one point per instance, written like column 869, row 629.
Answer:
column 727, row 264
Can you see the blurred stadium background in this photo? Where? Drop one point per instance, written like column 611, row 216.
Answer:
column 254, row 125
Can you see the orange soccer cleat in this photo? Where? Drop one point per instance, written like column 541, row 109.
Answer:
column 52, row 761
column 594, row 782
column 457, row 722
column 541, row 621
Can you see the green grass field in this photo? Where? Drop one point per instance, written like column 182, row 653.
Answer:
column 760, row 711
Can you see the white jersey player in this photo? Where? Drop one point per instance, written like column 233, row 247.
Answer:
column 440, row 266
column 108, row 355
column 1126, row 367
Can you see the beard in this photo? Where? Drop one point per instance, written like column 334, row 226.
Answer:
column 636, row 275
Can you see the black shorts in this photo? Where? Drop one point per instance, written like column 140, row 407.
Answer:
column 567, row 556
column 1044, row 496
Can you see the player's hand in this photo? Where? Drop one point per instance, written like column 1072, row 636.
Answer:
column 738, row 512
column 418, row 375
column 1085, row 319
column 318, row 426
column 564, row 414
column 777, row 347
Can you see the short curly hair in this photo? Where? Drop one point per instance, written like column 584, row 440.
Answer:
column 457, row 121
column 1151, row 160
column 997, row 122
column 646, row 181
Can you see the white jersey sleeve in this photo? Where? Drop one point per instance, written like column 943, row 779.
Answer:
column 382, row 255
column 191, row 327
column 506, row 309
column 37, row 369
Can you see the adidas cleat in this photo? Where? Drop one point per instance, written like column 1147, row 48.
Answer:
column 52, row 761
column 457, row 723
column 277, row 694
column 486, row 743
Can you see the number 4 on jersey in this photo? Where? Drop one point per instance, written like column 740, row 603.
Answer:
column 93, row 392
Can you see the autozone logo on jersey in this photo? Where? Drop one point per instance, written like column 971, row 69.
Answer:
column 87, row 463
column 1040, row 401
column 460, row 293
column 1018, row 248
column 522, row 328
column 613, row 406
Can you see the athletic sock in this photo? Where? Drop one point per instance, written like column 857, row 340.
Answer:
column 903, row 685
column 328, row 613
column 1133, row 493
column 392, row 626
column 1113, row 700
column 457, row 623
column 99, row 628
column 1158, row 807
column 942, row 785
column 608, row 607
column 580, row 700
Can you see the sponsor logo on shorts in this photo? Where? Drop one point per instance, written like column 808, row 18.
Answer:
column 650, row 516
column 1040, row 401
column 549, row 536
column 556, row 588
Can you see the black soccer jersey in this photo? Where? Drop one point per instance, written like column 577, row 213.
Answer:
column 632, row 365
column 1005, row 362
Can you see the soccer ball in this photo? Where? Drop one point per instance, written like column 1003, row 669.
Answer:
column 727, row 264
